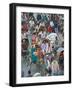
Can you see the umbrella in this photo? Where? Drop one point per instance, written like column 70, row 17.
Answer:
column 51, row 36
column 60, row 49
column 36, row 74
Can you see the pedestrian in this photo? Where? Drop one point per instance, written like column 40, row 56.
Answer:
column 43, row 46
column 55, row 67
column 49, row 30
column 34, row 57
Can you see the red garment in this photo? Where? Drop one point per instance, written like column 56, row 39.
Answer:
column 50, row 29
column 33, row 37
column 25, row 27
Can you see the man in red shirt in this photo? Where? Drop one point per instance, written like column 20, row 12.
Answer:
column 50, row 29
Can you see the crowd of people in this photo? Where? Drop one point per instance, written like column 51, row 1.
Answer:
column 42, row 42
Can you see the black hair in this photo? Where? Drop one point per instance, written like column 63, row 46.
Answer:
column 29, row 72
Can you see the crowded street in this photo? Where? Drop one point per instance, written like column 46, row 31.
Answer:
column 42, row 44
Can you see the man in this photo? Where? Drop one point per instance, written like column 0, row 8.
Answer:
column 55, row 67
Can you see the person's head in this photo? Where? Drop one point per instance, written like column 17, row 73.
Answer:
column 22, row 31
column 44, row 41
column 38, row 48
column 30, row 15
column 62, row 54
column 29, row 72
column 41, row 28
column 39, row 17
column 34, row 33
column 56, row 16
